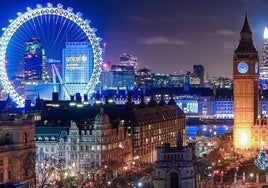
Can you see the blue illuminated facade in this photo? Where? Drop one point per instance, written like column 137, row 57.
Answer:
column 194, row 102
column 77, row 67
column 205, row 103
column 34, row 60
column 122, row 77
column 35, row 79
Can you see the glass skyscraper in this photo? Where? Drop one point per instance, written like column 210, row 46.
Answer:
column 263, row 79
column 35, row 79
column 77, row 67
column 34, row 61
column 119, row 77
column 129, row 60
column 198, row 71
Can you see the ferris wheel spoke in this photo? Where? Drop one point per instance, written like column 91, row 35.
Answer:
column 59, row 33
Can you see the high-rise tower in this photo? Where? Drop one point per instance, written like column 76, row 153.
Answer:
column 35, row 61
column 129, row 60
column 198, row 70
column 264, row 62
column 77, row 67
column 245, row 78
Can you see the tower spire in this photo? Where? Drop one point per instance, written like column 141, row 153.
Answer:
column 246, row 29
column 246, row 8
column 245, row 89
column 246, row 42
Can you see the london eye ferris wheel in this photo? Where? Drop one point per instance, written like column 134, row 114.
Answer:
column 53, row 25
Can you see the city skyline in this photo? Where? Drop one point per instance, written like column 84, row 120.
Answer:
column 167, row 37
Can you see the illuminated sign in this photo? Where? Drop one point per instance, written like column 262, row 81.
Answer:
column 76, row 59
column 72, row 62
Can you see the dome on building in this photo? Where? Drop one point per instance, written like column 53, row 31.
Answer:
column 102, row 118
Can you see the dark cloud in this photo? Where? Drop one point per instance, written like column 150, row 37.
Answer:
column 141, row 19
column 225, row 32
column 228, row 46
column 162, row 40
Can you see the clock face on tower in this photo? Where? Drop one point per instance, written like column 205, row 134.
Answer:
column 242, row 67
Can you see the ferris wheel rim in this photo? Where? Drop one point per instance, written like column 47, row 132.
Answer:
column 56, row 11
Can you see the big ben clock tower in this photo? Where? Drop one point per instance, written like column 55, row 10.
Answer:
column 246, row 96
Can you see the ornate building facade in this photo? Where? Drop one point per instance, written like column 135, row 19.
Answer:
column 176, row 166
column 153, row 125
column 250, row 122
column 86, row 149
column 17, row 153
column 107, row 135
column 246, row 92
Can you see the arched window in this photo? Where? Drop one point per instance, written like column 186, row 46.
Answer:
column 8, row 140
column 174, row 180
column 9, row 175
column 25, row 138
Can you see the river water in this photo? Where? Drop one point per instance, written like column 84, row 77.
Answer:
column 207, row 130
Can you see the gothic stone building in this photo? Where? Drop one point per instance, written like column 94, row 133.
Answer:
column 176, row 166
column 250, row 130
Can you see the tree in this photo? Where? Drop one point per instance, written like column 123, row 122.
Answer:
column 28, row 167
column 261, row 161
column 48, row 171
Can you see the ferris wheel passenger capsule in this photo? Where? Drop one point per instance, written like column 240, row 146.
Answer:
column 79, row 14
column 87, row 21
column 70, row 9
column 49, row 5
column 38, row 6
column 59, row 5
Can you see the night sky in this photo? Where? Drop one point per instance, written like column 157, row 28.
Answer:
column 168, row 36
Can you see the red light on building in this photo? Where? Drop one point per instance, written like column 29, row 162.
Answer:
column 105, row 65
column 28, row 56
column 219, row 172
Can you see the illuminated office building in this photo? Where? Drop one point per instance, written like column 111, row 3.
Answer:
column 144, row 78
column 35, row 62
column 263, row 79
column 77, row 67
column 122, row 77
column 198, row 71
column 33, row 77
column 129, row 60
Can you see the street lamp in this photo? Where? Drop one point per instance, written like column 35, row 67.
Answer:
column 251, row 176
column 210, row 130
